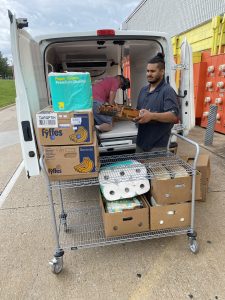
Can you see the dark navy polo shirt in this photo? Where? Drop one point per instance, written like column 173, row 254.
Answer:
column 163, row 99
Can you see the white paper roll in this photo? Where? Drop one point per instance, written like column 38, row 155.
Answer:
column 110, row 192
column 142, row 186
column 127, row 190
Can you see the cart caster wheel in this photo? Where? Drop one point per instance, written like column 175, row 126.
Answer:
column 194, row 246
column 56, row 264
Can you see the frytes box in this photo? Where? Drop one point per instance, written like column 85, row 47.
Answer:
column 65, row 128
column 72, row 162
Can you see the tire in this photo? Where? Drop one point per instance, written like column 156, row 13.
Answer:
column 194, row 246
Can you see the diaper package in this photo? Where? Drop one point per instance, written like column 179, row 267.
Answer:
column 70, row 91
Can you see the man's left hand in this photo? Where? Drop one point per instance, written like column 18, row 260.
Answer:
column 145, row 116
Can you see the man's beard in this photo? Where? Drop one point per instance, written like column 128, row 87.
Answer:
column 155, row 80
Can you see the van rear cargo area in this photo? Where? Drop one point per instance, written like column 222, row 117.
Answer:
column 102, row 57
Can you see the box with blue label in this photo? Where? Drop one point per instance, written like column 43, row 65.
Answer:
column 70, row 91
column 72, row 128
column 72, row 162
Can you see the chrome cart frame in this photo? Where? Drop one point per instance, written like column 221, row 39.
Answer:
column 83, row 227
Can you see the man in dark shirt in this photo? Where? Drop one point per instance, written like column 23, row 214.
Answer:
column 158, row 107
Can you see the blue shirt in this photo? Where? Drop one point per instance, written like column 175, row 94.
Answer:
column 163, row 99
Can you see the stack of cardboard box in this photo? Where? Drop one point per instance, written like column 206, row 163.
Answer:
column 68, row 138
column 169, row 201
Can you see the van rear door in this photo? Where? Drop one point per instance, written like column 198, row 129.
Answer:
column 186, row 87
column 31, row 92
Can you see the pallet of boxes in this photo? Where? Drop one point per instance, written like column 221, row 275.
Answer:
column 66, row 129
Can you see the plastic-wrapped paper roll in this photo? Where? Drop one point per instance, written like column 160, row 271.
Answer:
column 127, row 190
column 108, row 176
column 139, row 170
column 110, row 192
column 142, row 186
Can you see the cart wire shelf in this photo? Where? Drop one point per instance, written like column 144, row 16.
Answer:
column 85, row 229
column 157, row 164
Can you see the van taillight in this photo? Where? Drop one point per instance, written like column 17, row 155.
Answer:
column 105, row 32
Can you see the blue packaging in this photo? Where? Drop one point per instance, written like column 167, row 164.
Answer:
column 70, row 91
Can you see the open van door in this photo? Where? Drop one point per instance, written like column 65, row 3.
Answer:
column 31, row 91
column 186, row 88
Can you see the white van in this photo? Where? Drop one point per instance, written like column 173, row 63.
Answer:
column 101, row 53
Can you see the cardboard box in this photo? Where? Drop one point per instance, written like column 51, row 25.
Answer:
column 126, row 222
column 204, row 190
column 203, row 166
column 170, row 216
column 64, row 128
column 72, row 162
column 175, row 190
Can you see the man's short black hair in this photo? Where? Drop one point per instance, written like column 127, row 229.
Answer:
column 158, row 59
column 125, row 82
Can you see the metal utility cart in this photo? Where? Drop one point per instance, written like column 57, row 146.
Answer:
column 82, row 227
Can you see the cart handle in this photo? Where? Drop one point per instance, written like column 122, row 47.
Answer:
column 190, row 142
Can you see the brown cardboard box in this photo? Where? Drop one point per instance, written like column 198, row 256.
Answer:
column 72, row 162
column 170, row 216
column 175, row 190
column 204, row 189
column 64, row 128
column 126, row 222
column 203, row 166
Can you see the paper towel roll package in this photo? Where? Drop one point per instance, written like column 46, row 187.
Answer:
column 124, row 179
column 142, row 186
column 110, row 191
column 126, row 189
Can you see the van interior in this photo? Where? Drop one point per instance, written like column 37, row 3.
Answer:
column 102, row 58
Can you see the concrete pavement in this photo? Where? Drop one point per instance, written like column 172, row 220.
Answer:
column 153, row 269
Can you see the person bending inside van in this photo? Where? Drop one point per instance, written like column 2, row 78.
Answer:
column 104, row 91
column 158, row 107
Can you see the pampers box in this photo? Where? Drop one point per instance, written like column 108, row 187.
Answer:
column 70, row 91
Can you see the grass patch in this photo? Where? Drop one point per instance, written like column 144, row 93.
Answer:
column 7, row 92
